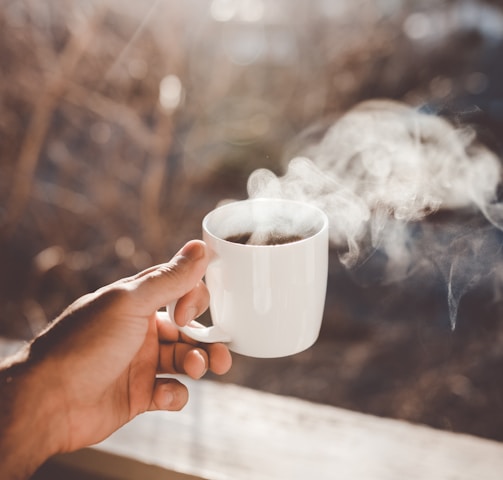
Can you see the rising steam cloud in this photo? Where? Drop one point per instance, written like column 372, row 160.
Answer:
column 383, row 168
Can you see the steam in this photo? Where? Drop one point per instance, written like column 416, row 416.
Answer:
column 380, row 172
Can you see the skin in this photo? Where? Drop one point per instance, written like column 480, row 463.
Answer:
column 94, row 368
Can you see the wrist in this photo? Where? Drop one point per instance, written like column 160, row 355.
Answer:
column 29, row 417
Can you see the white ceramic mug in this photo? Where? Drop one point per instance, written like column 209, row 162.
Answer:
column 265, row 300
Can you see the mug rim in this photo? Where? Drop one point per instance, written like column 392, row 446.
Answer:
column 323, row 216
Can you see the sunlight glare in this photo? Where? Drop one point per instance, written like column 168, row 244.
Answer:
column 223, row 10
column 242, row 10
column 170, row 93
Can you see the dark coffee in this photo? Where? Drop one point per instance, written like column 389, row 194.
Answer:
column 271, row 238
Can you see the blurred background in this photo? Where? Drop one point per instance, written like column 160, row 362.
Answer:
column 122, row 123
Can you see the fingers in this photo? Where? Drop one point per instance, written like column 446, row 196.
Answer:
column 167, row 331
column 161, row 285
column 191, row 305
column 183, row 358
column 169, row 394
column 220, row 358
column 194, row 361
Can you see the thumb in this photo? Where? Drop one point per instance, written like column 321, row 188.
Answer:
column 165, row 283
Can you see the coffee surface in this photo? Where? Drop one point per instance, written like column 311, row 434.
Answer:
column 270, row 238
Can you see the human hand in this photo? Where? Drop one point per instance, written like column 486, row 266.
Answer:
column 98, row 361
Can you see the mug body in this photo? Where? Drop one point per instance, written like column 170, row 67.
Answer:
column 269, row 298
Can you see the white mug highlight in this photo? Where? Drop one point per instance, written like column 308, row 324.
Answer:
column 267, row 276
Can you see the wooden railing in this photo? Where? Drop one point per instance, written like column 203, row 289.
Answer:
column 230, row 432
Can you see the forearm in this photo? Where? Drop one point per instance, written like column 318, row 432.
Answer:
column 28, row 418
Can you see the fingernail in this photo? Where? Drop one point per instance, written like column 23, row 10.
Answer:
column 192, row 250
column 168, row 398
column 205, row 369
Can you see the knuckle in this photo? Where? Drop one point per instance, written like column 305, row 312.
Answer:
column 116, row 296
column 173, row 270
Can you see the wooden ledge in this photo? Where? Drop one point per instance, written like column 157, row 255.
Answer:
column 230, row 432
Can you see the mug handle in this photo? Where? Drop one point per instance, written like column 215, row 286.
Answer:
column 212, row 334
